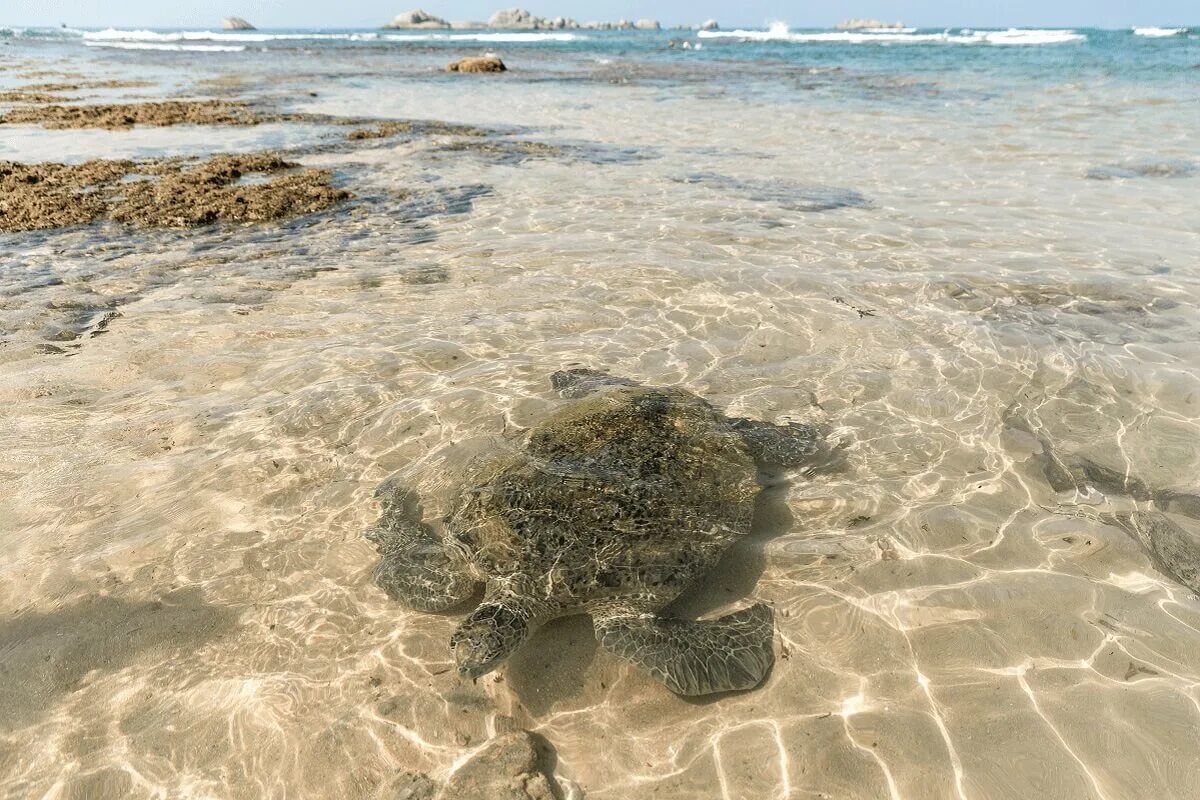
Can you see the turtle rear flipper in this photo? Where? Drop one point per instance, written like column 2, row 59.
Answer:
column 693, row 658
column 790, row 445
column 415, row 568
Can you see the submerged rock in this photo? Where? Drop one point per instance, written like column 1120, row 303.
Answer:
column 387, row 128
column 477, row 64
column 517, row 765
column 509, row 767
column 411, row 786
column 31, row 97
column 415, row 19
column 236, row 24
column 1170, row 168
column 785, row 194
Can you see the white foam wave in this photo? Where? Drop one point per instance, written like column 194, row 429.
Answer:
column 171, row 47
column 1012, row 36
column 39, row 33
column 254, row 37
column 115, row 35
column 1159, row 32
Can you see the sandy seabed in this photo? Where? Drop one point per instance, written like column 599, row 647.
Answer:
column 220, row 329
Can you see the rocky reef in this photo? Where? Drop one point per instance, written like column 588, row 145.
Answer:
column 521, row 19
column 162, row 193
column 127, row 115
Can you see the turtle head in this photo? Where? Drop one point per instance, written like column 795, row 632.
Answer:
column 487, row 637
column 575, row 382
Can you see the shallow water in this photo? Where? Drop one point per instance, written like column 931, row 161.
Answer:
column 912, row 251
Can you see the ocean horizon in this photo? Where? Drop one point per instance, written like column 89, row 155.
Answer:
column 547, row 414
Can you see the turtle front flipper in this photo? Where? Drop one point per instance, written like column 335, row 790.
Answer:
column 790, row 445
column 692, row 658
column 415, row 568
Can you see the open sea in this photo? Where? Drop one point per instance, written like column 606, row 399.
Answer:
column 971, row 256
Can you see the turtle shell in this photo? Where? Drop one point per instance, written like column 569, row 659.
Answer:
column 630, row 490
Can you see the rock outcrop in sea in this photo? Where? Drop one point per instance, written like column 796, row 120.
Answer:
column 416, row 19
column 514, row 18
column 862, row 24
column 521, row 19
column 236, row 24
column 477, row 64
column 710, row 25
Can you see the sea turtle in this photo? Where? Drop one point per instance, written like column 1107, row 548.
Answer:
column 613, row 506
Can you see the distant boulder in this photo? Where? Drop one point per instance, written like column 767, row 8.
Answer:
column 515, row 18
column 477, row 64
column 710, row 25
column 867, row 24
column 647, row 25
column 416, row 19
column 236, row 24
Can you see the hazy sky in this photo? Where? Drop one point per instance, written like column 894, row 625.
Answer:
column 799, row 13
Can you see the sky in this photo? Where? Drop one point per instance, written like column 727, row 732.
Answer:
column 730, row 13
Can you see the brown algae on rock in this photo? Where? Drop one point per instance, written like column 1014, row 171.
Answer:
column 477, row 64
column 49, row 195
column 127, row 115
column 174, row 193
column 21, row 96
column 388, row 128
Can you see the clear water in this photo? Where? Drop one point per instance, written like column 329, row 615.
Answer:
column 900, row 241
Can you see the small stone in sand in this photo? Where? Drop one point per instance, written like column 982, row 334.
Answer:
column 477, row 64
column 509, row 767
